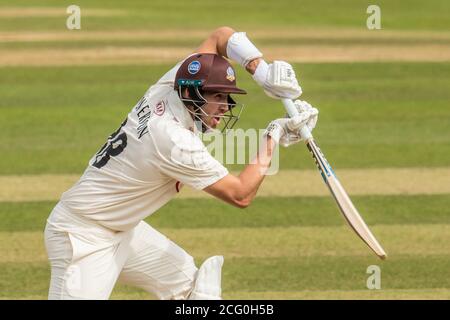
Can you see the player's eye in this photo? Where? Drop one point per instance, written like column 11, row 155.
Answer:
column 219, row 97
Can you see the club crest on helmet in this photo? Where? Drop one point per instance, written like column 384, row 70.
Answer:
column 230, row 74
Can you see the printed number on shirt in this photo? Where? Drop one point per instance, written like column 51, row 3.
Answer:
column 116, row 143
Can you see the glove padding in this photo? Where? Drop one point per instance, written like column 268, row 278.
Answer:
column 304, row 107
column 278, row 80
column 286, row 131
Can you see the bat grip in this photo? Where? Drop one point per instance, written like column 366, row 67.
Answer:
column 292, row 111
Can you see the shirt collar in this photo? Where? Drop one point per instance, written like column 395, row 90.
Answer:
column 180, row 111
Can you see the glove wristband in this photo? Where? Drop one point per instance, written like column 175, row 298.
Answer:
column 261, row 73
column 275, row 131
column 241, row 49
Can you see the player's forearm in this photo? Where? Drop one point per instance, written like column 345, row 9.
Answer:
column 253, row 174
column 277, row 78
column 221, row 36
column 252, row 65
column 218, row 41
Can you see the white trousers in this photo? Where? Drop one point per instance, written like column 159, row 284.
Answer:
column 87, row 259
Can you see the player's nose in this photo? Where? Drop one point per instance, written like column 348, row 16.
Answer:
column 223, row 108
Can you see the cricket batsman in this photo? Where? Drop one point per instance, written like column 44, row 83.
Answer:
column 96, row 235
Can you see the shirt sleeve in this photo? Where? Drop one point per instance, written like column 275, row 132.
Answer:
column 182, row 156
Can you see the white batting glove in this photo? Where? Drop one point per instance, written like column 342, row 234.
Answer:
column 278, row 80
column 286, row 131
column 305, row 107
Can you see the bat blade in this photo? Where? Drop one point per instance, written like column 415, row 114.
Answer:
column 344, row 202
column 341, row 197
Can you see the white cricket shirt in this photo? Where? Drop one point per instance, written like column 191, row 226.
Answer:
column 144, row 163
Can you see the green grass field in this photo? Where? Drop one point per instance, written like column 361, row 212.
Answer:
column 384, row 105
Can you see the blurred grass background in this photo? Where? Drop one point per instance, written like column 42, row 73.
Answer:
column 380, row 113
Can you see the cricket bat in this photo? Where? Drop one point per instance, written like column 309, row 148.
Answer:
column 341, row 197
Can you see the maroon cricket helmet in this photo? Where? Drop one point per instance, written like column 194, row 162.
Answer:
column 208, row 71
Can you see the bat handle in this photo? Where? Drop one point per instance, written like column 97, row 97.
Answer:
column 292, row 111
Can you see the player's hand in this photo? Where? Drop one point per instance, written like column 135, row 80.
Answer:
column 286, row 131
column 278, row 80
column 304, row 107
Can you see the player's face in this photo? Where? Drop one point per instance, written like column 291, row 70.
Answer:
column 217, row 106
